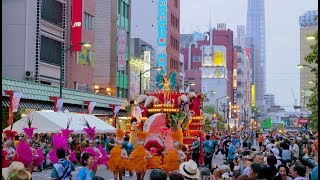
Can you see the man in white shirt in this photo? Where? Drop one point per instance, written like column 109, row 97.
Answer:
column 294, row 148
column 270, row 145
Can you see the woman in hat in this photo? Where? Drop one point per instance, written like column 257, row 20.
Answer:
column 189, row 170
column 139, row 156
column 118, row 157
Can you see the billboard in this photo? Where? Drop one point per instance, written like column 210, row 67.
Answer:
column 197, row 36
column 213, row 73
column 219, row 56
column 253, row 98
column 76, row 28
column 122, row 42
column 162, row 23
column 146, row 59
column 207, row 56
column 248, row 54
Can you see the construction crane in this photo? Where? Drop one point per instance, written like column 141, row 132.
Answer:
column 295, row 106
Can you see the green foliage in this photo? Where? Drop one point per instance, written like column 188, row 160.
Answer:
column 174, row 119
column 5, row 115
column 210, row 109
column 128, row 108
column 312, row 58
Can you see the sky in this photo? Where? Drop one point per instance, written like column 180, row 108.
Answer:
column 282, row 36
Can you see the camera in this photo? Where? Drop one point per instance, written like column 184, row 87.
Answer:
column 309, row 162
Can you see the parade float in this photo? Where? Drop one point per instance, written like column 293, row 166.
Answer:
column 168, row 116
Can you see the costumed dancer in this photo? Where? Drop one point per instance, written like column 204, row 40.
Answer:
column 118, row 157
column 100, row 155
column 61, row 141
column 133, row 133
column 173, row 157
column 65, row 133
column 8, row 152
column 139, row 156
column 177, row 137
column 26, row 154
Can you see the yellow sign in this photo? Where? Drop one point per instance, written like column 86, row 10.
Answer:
column 218, row 59
column 253, row 98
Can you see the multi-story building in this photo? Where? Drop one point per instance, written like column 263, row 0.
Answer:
column 141, row 60
column 308, row 27
column 243, row 85
column 161, row 31
column 35, row 37
column 269, row 101
column 255, row 40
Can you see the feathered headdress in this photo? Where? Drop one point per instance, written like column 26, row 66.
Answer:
column 142, row 135
column 29, row 131
column 10, row 134
column 177, row 136
column 120, row 134
column 89, row 131
column 66, row 132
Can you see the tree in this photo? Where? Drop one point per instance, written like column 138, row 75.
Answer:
column 312, row 58
column 210, row 109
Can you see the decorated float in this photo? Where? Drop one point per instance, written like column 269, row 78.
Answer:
column 168, row 116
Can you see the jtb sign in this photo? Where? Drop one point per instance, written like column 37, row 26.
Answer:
column 76, row 24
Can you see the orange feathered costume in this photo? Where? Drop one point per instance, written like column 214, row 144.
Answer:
column 116, row 162
column 171, row 161
column 138, row 157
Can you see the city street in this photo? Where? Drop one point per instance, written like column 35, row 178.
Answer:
column 103, row 172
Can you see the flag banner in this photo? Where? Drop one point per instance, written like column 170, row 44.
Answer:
column 15, row 101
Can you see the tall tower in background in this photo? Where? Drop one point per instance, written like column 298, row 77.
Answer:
column 255, row 39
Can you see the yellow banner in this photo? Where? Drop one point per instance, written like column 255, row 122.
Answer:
column 253, row 94
column 218, row 59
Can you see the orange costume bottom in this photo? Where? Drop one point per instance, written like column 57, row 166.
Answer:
column 138, row 159
column 116, row 162
column 171, row 161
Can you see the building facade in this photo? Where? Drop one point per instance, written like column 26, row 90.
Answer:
column 141, row 60
column 35, row 36
column 269, row 102
column 308, row 27
column 243, row 85
column 255, row 40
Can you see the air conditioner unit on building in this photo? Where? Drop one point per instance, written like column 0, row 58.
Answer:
column 29, row 74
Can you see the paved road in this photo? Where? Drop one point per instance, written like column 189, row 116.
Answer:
column 107, row 175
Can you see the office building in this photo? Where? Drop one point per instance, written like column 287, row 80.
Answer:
column 308, row 27
column 255, row 40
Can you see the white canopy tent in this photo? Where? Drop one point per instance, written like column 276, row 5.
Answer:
column 53, row 122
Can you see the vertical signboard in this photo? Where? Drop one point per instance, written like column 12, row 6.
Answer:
column 162, row 23
column 162, row 62
column 146, row 58
column 122, row 41
column 76, row 28
column 253, row 98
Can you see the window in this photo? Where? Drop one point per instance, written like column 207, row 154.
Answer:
column 196, row 58
column 239, row 60
column 50, row 51
column 51, row 10
column 239, row 71
column 191, row 78
column 239, row 83
column 119, row 6
column 88, row 21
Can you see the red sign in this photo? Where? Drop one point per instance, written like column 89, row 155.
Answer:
column 76, row 27
column 303, row 120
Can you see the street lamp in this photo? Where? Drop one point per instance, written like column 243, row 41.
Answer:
column 300, row 66
column 140, row 74
column 187, row 84
column 85, row 44
column 227, row 97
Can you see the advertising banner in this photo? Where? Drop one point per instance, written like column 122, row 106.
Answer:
column 219, row 56
column 162, row 61
column 207, row 56
column 122, row 41
column 14, row 99
column 248, row 54
column 76, row 28
column 253, row 94
column 213, row 73
column 146, row 58
column 162, row 23
column 197, row 36
column 303, row 120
